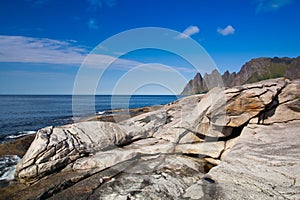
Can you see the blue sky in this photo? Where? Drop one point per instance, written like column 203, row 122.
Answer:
column 43, row 42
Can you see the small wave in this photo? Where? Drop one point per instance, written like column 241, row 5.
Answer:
column 100, row 112
column 9, row 173
column 20, row 134
column 8, row 167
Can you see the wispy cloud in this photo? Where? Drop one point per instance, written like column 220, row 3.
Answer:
column 39, row 50
column 271, row 5
column 228, row 30
column 92, row 24
column 189, row 31
column 44, row 50
column 22, row 49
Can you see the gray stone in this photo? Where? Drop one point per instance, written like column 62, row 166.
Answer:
column 265, row 160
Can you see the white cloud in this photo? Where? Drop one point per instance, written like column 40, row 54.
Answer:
column 22, row 49
column 44, row 50
column 228, row 30
column 92, row 24
column 189, row 31
column 39, row 50
column 271, row 5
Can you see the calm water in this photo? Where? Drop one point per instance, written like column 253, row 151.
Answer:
column 24, row 114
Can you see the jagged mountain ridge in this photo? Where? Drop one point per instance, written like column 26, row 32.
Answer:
column 253, row 71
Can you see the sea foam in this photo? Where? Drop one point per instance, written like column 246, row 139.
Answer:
column 8, row 166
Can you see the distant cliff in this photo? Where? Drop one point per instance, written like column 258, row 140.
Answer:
column 253, row 71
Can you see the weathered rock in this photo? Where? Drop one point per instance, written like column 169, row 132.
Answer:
column 135, row 178
column 247, row 131
column 219, row 111
column 264, row 161
column 56, row 147
column 211, row 149
column 167, row 181
column 286, row 106
column 228, row 146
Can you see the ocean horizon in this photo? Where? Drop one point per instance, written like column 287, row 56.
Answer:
column 24, row 114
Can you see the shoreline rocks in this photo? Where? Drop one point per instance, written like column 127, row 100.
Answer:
column 198, row 147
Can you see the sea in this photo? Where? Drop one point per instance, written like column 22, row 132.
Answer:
column 24, row 114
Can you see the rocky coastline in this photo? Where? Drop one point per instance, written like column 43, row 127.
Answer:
column 235, row 143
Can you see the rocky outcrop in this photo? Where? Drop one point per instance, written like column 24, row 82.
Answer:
column 245, row 134
column 264, row 163
column 255, row 70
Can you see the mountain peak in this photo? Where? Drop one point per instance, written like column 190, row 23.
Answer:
column 255, row 70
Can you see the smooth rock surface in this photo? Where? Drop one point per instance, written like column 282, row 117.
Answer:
column 265, row 160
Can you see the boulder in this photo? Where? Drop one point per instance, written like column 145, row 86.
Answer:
column 55, row 147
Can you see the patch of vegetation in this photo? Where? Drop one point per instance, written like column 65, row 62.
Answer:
column 275, row 70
